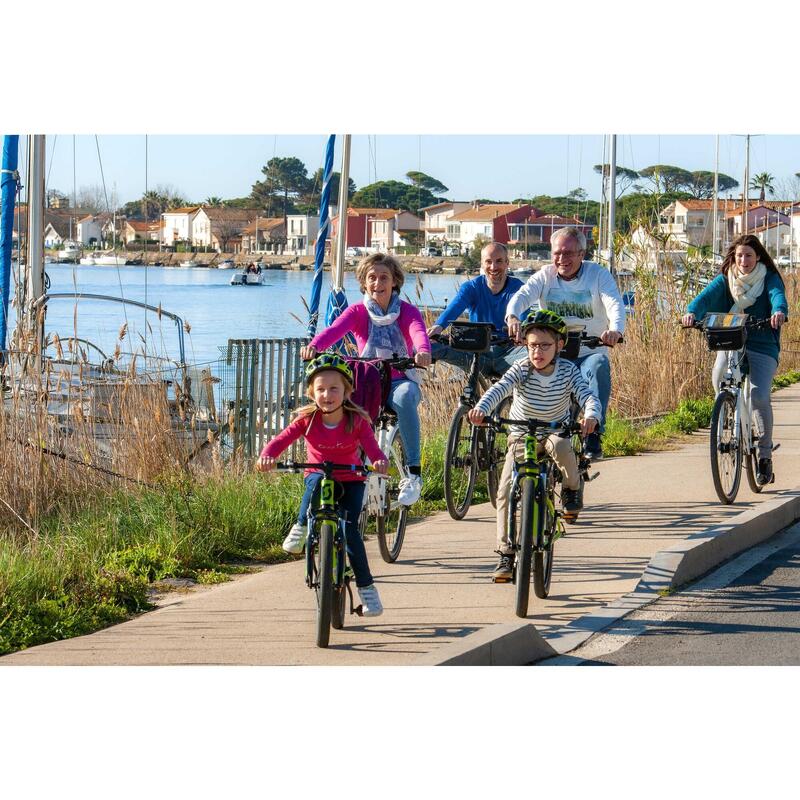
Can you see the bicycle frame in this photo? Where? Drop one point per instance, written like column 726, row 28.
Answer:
column 325, row 512
column 737, row 382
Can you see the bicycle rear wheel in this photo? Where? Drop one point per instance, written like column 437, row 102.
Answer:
column 545, row 536
column 496, row 444
column 323, row 561
column 460, row 464
column 751, row 458
column 391, row 523
column 339, row 586
column 726, row 448
column 527, row 525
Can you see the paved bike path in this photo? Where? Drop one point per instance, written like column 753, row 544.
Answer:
column 440, row 589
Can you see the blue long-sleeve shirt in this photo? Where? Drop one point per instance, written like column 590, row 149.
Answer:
column 483, row 306
column 716, row 297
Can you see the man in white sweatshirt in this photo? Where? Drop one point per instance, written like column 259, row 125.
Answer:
column 586, row 296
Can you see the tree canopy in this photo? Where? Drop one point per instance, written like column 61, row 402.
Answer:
column 625, row 177
column 285, row 180
column 394, row 194
column 424, row 181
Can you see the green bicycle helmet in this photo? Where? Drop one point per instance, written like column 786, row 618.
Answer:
column 328, row 361
column 543, row 318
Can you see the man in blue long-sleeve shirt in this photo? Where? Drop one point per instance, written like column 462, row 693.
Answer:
column 485, row 298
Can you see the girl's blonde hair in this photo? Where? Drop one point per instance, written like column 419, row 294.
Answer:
column 350, row 408
column 382, row 259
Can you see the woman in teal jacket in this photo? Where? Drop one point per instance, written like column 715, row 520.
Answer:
column 749, row 282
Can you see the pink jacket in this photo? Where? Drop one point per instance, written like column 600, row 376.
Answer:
column 355, row 320
column 329, row 444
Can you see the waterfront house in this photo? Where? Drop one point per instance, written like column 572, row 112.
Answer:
column 221, row 227
column 135, row 230
column 539, row 228
column 90, row 229
column 490, row 221
column 177, row 225
column 759, row 215
column 436, row 218
column 264, row 235
column 301, row 233
column 379, row 229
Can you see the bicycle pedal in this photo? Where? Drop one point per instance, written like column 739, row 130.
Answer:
column 571, row 519
column 359, row 609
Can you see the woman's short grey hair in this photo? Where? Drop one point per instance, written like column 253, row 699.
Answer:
column 573, row 233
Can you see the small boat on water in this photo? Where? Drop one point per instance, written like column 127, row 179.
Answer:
column 228, row 263
column 522, row 271
column 87, row 261
column 247, row 279
column 70, row 252
column 190, row 263
column 109, row 259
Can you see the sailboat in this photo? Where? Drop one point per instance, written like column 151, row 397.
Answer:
column 79, row 386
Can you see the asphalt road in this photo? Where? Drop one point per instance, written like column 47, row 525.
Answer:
column 749, row 618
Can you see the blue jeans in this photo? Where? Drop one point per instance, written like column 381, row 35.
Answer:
column 350, row 506
column 596, row 370
column 494, row 362
column 404, row 398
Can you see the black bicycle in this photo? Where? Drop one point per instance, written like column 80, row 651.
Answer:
column 327, row 570
column 469, row 449
column 382, row 512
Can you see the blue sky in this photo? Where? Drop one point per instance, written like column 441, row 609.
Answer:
column 496, row 166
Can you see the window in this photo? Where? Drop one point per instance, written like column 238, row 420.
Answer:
column 698, row 222
column 487, row 230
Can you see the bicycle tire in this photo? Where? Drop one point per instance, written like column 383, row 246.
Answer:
column 546, row 518
column 522, row 575
column 391, row 524
column 496, row 446
column 339, row 586
column 726, row 462
column 460, row 464
column 324, row 583
column 751, row 459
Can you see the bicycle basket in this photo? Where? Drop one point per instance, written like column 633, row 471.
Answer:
column 471, row 337
column 725, row 331
column 572, row 347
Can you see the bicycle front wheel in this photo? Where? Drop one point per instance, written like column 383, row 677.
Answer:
column 545, row 536
column 460, row 464
column 324, row 568
column 726, row 448
column 527, row 527
column 496, row 444
column 751, row 458
column 391, row 522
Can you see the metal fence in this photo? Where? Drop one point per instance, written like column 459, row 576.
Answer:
column 261, row 383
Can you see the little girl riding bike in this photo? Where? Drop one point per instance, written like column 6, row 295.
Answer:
column 335, row 430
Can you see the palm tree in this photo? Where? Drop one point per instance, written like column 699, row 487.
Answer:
column 214, row 201
column 763, row 181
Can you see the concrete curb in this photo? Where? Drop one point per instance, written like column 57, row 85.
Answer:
column 518, row 644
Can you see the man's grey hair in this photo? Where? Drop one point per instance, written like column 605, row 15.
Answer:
column 496, row 244
column 573, row 233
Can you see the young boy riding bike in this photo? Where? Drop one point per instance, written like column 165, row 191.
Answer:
column 541, row 386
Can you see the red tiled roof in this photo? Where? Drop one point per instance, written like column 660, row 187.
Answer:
column 486, row 212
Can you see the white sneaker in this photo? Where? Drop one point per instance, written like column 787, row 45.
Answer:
column 296, row 539
column 410, row 489
column 370, row 601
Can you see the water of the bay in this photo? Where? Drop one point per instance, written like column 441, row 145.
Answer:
column 214, row 310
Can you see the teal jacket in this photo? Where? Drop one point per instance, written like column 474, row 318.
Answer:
column 716, row 297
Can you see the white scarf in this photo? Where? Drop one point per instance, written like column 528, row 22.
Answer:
column 746, row 289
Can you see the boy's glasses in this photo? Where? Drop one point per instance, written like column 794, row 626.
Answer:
column 543, row 347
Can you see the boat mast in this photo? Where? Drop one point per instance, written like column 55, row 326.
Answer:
column 8, row 196
column 34, row 322
column 746, row 189
column 715, row 206
column 612, row 203
column 341, row 239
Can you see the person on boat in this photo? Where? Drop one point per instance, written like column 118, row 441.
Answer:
column 383, row 326
column 587, row 296
column 749, row 282
column 485, row 298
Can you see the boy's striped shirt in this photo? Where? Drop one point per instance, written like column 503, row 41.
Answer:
column 545, row 397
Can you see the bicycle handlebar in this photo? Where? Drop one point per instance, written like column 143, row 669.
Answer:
column 567, row 426
column 327, row 467
column 593, row 342
column 751, row 324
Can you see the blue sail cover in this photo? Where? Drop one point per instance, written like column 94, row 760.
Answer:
column 322, row 236
column 8, row 192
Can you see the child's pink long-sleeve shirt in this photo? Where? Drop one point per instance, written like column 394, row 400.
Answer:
column 329, row 444
column 355, row 320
